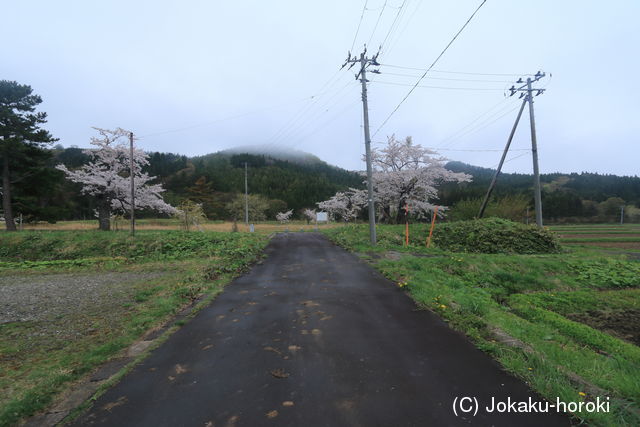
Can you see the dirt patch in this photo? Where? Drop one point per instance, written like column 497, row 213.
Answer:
column 52, row 296
column 624, row 324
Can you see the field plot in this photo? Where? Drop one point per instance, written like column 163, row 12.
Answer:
column 70, row 301
column 603, row 236
column 566, row 323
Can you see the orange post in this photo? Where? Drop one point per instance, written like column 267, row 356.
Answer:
column 406, row 224
column 433, row 224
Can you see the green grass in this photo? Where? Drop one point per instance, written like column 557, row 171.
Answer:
column 529, row 298
column 36, row 366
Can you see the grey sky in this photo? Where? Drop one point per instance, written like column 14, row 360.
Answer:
column 242, row 72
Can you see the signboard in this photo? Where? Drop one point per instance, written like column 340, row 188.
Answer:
column 322, row 217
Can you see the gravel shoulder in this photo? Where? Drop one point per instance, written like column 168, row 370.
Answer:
column 52, row 296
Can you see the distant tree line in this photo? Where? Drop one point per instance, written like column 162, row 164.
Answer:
column 216, row 181
column 575, row 197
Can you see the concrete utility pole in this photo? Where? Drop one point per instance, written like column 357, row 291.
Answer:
column 133, row 191
column 622, row 215
column 246, row 195
column 527, row 93
column 364, row 62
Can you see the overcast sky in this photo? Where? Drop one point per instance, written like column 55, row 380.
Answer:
column 195, row 77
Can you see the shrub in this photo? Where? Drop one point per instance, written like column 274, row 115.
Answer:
column 494, row 235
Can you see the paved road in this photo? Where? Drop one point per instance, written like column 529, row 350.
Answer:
column 312, row 337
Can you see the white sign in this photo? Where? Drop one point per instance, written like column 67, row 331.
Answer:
column 321, row 217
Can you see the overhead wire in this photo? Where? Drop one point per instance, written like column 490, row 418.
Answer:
column 375, row 27
column 440, row 87
column 300, row 114
column 393, row 25
column 481, row 126
column 311, row 115
column 430, row 67
column 448, row 78
column 224, row 119
column 394, row 42
column 364, row 8
column 456, row 72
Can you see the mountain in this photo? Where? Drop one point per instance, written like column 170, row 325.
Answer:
column 288, row 179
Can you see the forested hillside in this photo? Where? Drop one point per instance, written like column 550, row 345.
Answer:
column 214, row 180
column 580, row 196
column 300, row 180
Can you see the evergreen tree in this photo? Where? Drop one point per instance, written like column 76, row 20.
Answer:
column 21, row 141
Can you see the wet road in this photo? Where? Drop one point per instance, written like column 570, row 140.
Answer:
column 312, row 337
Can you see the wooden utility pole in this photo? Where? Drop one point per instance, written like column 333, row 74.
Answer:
column 133, row 189
column 365, row 62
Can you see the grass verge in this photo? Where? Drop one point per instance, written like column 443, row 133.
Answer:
column 530, row 312
column 40, row 358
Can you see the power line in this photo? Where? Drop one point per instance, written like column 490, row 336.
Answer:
column 224, row 119
column 482, row 125
column 294, row 134
column 359, row 23
column 393, row 25
column 439, row 87
column 455, row 72
column 300, row 114
column 448, row 78
column 472, row 150
column 513, row 158
column 395, row 41
column 430, row 67
column 309, row 115
column 375, row 27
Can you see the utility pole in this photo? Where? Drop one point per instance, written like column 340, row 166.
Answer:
column 133, row 191
column 365, row 62
column 527, row 93
column 622, row 215
column 246, row 195
column 504, row 155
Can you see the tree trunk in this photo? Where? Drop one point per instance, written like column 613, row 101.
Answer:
column 401, row 216
column 104, row 214
column 6, row 195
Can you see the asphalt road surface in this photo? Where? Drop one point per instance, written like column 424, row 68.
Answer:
column 314, row 337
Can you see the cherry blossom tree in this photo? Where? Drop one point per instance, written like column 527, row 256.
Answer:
column 284, row 216
column 107, row 177
column 345, row 205
column 309, row 214
column 407, row 173
column 404, row 173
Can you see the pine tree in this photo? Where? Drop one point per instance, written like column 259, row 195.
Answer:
column 21, row 141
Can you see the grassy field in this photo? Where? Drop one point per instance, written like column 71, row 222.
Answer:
column 568, row 323
column 114, row 289
column 173, row 224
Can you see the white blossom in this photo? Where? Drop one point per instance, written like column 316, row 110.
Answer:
column 108, row 174
column 403, row 173
column 284, row 216
column 310, row 214
column 345, row 205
